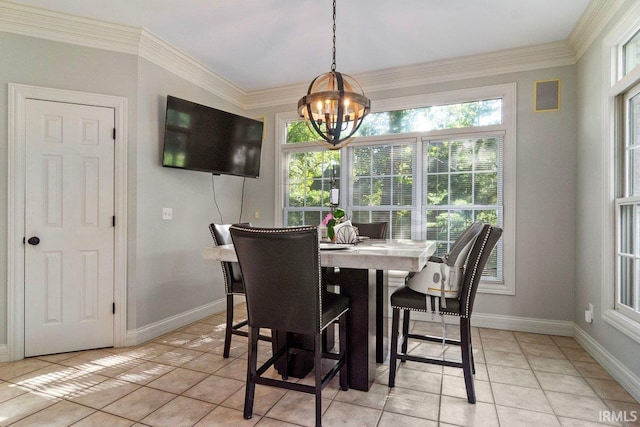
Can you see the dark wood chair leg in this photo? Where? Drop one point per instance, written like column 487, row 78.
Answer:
column 229, row 328
column 405, row 330
column 318, row 374
column 395, row 324
column 252, row 363
column 465, row 344
column 342, row 334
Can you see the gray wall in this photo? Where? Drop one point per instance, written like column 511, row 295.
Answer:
column 589, row 221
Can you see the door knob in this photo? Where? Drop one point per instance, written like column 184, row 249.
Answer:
column 33, row 241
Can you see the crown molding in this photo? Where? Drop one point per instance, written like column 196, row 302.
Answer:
column 61, row 27
column 591, row 24
column 56, row 26
column 501, row 62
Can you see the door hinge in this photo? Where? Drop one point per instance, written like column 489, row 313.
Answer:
column 113, row 308
column 114, row 134
column 113, row 220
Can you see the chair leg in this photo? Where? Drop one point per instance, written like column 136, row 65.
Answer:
column 395, row 324
column 317, row 364
column 342, row 334
column 405, row 330
column 229, row 327
column 473, row 362
column 252, row 367
column 465, row 344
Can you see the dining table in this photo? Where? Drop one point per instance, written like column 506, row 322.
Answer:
column 362, row 275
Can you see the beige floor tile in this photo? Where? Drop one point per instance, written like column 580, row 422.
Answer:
column 574, row 406
column 207, row 343
column 270, row 422
column 417, row 380
column 176, row 339
column 592, row 370
column 64, row 413
column 459, row 412
column 214, row 389
column 564, row 383
column 10, row 390
column 264, row 399
column 226, row 417
column 102, row 419
column 521, row 397
column 237, row 369
column 139, row 403
column 565, row 342
column 59, row 381
column 12, row 370
column 207, row 363
column 576, row 354
column 178, row 380
column 413, row 403
column 534, row 338
column 503, row 358
column 513, row 417
column 542, row 350
column 455, row 386
column 375, row 398
column 24, row 405
column 104, row 393
column 148, row 350
column 545, row 364
column 198, row 329
column 177, row 356
column 610, row 390
column 297, row 408
column 515, row 376
column 145, row 372
column 349, row 415
column 626, row 411
column 496, row 334
column 509, row 346
column 572, row 422
column 180, row 412
column 480, row 375
column 394, row 420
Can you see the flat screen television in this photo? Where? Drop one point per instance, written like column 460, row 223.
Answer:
column 206, row 139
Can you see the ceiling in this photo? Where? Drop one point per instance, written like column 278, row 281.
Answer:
column 261, row 44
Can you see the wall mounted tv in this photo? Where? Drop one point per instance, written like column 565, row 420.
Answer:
column 205, row 139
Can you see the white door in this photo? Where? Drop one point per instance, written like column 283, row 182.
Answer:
column 69, row 230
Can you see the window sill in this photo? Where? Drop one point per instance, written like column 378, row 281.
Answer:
column 622, row 323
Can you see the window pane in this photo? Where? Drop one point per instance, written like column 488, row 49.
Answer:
column 308, row 185
column 631, row 53
column 452, row 116
column 467, row 190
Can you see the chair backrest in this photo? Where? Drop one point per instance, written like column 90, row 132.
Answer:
column 480, row 252
column 281, row 275
column 230, row 270
column 460, row 250
column 373, row 230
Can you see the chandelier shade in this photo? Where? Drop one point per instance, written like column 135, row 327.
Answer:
column 335, row 104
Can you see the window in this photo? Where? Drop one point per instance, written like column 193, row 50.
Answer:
column 427, row 165
column 621, row 208
column 628, row 209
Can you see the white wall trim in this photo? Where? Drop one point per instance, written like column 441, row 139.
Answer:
column 4, row 353
column 626, row 378
column 61, row 27
column 161, row 327
column 18, row 94
column 591, row 23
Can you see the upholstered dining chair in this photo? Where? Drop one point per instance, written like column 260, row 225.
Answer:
column 284, row 292
column 232, row 285
column 408, row 300
column 373, row 230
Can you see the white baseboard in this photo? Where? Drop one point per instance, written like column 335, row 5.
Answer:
column 4, row 353
column 161, row 327
column 627, row 379
column 511, row 323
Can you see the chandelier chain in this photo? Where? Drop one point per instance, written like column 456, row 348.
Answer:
column 333, row 65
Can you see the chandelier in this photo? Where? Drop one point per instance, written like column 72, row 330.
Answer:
column 335, row 104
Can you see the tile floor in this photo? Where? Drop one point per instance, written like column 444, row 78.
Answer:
column 181, row 379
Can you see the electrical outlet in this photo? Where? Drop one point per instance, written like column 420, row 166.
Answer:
column 588, row 314
column 256, row 215
column 167, row 214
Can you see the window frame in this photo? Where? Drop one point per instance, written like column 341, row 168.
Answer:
column 507, row 92
column 616, row 83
